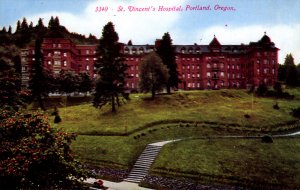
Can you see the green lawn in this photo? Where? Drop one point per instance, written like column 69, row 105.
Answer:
column 238, row 161
column 223, row 107
column 116, row 140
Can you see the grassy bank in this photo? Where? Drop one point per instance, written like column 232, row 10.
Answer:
column 233, row 161
column 223, row 107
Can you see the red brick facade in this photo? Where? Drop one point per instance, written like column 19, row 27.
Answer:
column 212, row 66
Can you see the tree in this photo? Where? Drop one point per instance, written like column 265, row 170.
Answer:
column 85, row 84
column 291, row 70
column 18, row 26
column 111, row 69
column 33, row 155
column 153, row 74
column 9, row 29
column 68, row 82
column 39, row 82
column 10, row 92
column 166, row 52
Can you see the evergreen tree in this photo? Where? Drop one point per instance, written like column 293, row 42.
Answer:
column 9, row 30
column 39, row 83
column 18, row 26
column 51, row 22
column 40, row 23
column 111, row 69
column 166, row 52
column 291, row 70
column 24, row 25
column 153, row 74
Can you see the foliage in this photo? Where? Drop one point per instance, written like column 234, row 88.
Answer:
column 68, row 81
column 289, row 72
column 153, row 74
column 39, row 83
column 33, row 155
column 111, row 69
column 10, row 92
column 267, row 139
column 262, row 90
column 296, row 112
column 86, row 83
column 166, row 52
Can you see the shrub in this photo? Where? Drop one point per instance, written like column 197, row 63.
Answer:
column 296, row 112
column 247, row 116
column 267, row 139
column 57, row 119
column 276, row 106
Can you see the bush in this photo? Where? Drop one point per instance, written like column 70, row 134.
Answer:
column 276, row 106
column 296, row 112
column 267, row 139
column 57, row 119
column 247, row 116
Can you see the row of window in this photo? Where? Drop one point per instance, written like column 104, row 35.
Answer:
column 266, row 71
column 266, row 61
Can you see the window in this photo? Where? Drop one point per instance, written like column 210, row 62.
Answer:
column 257, row 71
column 189, row 85
column 87, row 51
column 49, row 54
column 222, row 65
column 232, row 66
column 208, row 65
column 183, row 76
column 49, row 62
column 189, row 76
column 65, row 54
column 198, row 75
column 188, row 67
column 65, row 63
column 183, row 67
column 222, row 74
column 132, row 85
column 96, row 59
column 87, row 67
column 56, row 52
column 137, row 75
column 136, row 67
column 238, row 67
column 208, row 74
column 59, row 45
column 132, row 68
column 258, row 54
column 87, row 59
column 265, row 61
column 257, row 61
column 198, row 85
column 57, row 63
column 222, row 83
column 193, row 75
column 137, row 59
column 198, row 67
column 33, row 59
column 193, row 67
column 54, row 45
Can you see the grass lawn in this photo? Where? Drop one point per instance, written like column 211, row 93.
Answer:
column 237, row 161
column 222, row 106
column 116, row 140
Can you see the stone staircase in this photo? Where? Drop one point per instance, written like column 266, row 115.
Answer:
column 143, row 163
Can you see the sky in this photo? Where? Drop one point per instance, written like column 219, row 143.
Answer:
column 244, row 22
